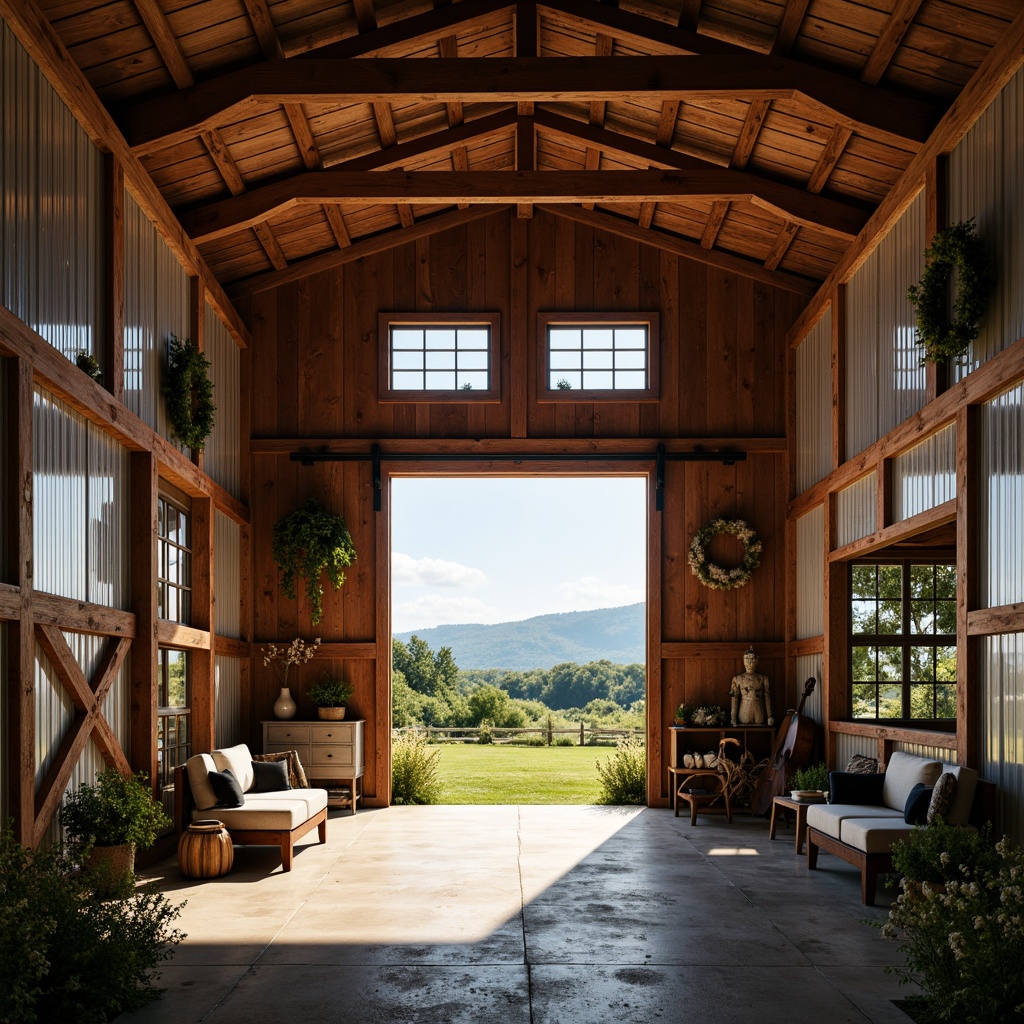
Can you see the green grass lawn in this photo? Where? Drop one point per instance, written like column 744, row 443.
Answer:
column 503, row 774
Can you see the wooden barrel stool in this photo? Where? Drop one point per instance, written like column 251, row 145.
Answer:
column 205, row 850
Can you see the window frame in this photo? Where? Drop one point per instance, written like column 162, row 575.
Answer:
column 181, row 713
column 184, row 591
column 905, row 640
column 545, row 321
column 491, row 321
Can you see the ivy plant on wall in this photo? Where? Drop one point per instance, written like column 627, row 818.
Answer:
column 189, row 393
column 311, row 542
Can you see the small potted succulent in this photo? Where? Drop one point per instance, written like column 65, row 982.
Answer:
column 330, row 696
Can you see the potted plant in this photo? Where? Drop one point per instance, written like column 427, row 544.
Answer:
column 811, row 779
column 107, row 821
column 310, row 542
column 330, row 696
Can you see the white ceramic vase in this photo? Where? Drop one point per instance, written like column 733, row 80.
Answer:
column 284, row 706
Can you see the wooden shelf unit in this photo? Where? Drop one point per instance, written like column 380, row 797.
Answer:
column 699, row 739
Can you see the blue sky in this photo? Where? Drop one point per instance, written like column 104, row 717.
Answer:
column 502, row 549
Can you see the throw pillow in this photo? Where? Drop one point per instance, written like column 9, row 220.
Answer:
column 916, row 811
column 942, row 797
column 855, row 788
column 862, row 765
column 296, row 775
column 226, row 788
column 269, row 776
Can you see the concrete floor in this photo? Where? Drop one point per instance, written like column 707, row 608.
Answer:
column 528, row 915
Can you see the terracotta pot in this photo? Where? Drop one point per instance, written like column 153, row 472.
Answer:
column 112, row 868
column 205, row 850
column 331, row 714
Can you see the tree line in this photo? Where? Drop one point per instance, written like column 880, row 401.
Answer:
column 428, row 688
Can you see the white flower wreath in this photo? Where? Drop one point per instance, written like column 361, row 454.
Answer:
column 715, row 576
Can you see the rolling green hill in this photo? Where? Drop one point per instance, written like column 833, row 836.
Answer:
column 615, row 634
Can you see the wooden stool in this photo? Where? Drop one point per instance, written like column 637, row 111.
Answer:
column 699, row 796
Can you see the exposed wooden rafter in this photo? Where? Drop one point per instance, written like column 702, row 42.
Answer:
column 889, row 41
column 263, row 26
column 789, row 27
column 221, row 156
column 165, row 41
column 157, row 123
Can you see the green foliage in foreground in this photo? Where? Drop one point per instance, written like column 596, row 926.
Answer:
column 414, row 771
column 502, row 774
column 624, row 774
column 65, row 953
column 963, row 940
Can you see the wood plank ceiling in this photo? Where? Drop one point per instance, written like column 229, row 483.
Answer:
column 755, row 134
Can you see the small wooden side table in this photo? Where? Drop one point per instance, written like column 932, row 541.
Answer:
column 787, row 803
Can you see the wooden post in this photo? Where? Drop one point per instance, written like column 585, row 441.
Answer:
column 144, row 572
column 582, row 737
column 203, row 699
column 967, row 529
column 20, row 738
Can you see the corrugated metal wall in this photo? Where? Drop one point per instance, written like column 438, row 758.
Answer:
column 51, row 208
column 810, row 574
column 80, row 506
column 1002, row 726
column 1001, row 505
column 847, row 746
column 228, row 728
column 986, row 182
column 924, row 476
column 156, row 306
column 808, row 666
column 857, row 510
column 884, row 381
column 227, row 569
column 814, row 404
column 223, row 449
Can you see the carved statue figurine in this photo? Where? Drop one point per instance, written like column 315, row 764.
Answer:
column 751, row 695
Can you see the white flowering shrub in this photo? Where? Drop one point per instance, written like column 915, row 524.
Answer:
column 963, row 937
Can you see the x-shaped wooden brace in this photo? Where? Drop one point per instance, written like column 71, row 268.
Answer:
column 88, row 721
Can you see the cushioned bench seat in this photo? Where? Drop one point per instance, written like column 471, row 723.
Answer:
column 275, row 818
column 862, row 833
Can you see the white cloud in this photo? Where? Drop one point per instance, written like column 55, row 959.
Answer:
column 437, row 610
column 590, row 592
column 433, row 572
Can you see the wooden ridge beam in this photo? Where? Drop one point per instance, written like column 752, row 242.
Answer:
column 154, row 124
column 784, row 198
column 358, row 249
column 682, row 247
column 253, row 208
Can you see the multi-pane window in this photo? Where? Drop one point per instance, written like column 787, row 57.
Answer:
column 903, row 641
column 174, row 582
column 174, row 694
column 432, row 358
column 597, row 357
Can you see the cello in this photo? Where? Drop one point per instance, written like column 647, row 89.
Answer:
column 792, row 749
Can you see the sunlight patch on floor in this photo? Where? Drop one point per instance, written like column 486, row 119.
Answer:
column 732, row 851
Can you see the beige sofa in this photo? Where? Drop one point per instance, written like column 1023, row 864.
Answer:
column 862, row 834
column 264, row 819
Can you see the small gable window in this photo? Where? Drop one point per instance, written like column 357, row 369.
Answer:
column 598, row 357
column 430, row 358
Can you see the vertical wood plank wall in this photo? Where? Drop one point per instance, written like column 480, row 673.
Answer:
column 722, row 348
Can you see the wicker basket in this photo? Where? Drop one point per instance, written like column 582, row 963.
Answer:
column 331, row 714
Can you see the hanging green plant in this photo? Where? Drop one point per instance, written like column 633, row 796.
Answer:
column 189, row 393
column 956, row 248
column 310, row 542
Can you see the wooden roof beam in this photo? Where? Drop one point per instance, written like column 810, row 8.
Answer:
column 431, row 25
column 360, row 248
column 168, row 120
column 789, row 26
column 659, row 156
column 227, row 216
column 682, row 247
